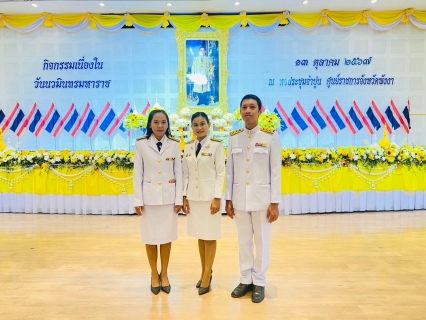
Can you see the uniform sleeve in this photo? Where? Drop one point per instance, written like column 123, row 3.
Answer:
column 220, row 171
column 185, row 171
column 275, row 161
column 178, row 177
column 229, row 172
column 138, row 176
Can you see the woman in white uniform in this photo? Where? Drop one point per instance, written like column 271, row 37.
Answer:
column 203, row 177
column 158, row 193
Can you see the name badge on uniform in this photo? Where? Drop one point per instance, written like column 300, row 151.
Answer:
column 170, row 159
column 261, row 144
column 206, row 154
column 172, row 181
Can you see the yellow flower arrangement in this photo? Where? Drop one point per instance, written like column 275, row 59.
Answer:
column 269, row 121
column 367, row 157
column 135, row 121
column 119, row 159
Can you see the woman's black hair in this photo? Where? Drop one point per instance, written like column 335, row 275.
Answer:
column 254, row 97
column 200, row 114
column 150, row 117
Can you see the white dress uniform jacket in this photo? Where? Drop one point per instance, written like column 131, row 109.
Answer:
column 157, row 174
column 253, row 174
column 203, row 176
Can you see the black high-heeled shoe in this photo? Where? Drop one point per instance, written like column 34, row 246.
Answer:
column 199, row 282
column 165, row 289
column 202, row 290
column 155, row 290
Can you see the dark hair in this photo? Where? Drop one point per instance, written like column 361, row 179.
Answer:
column 200, row 114
column 150, row 117
column 254, row 97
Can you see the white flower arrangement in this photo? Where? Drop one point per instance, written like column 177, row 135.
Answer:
column 217, row 112
column 174, row 117
column 185, row 112
column 182, row 123
column 219, row 122
column 229, row 117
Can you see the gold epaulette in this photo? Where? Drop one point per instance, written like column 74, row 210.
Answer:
column 271, row 131
column 233, row 133
column 174, row 139
column 215, row 139
column 141, row 138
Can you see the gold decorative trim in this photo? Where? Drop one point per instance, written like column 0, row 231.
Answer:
column 222, row 36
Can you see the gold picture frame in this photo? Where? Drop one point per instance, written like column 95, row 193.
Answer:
column 203, row 70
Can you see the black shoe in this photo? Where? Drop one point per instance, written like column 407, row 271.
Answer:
column 241, row 290
column 155, row 290
column 199, row 282
column 202, row 290
column 165, row 289
column 258, row 294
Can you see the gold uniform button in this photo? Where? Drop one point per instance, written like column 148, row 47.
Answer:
column 159, row 172
column 196, row 187
column 159, row 183
column 248, row 159
column 249, row 137
column 159, row 161
column 196, row 178
column 247, row 183
column 248, row 171
column 196, row 169
column 248, row 148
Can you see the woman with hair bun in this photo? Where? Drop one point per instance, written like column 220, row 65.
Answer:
column 203, row 178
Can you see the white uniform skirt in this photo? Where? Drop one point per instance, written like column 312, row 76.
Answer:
column 159, row 224
column 201, row 224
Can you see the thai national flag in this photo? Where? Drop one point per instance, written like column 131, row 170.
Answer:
column 51, row 125
column 283, row 126
column 18, row 119
column 72, row 121
column 394, row 123
column 107, row 121
column 2, row 116
column 146, row 108
column 299, row 120
column 61, row 123
column 317, row 117
column 98, row 120
column 374, row 121
column 355, row 119
column 122, row 128
column 406, row 113
column 335, row 115
column 36, row 119
column 88, row 121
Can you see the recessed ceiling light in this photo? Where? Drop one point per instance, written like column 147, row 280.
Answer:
column 169, row 4
column 305, row 2
column 101, row 4
column 373, row 1
column 34, row 5
column 237, row 3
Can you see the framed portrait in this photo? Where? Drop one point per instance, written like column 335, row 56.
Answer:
column 202, row 71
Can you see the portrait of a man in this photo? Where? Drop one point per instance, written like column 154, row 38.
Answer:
column 202, row 73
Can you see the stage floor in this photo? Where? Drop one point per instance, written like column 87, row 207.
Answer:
column 323, row 266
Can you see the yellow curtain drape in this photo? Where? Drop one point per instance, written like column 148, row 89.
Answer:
column 192, row 23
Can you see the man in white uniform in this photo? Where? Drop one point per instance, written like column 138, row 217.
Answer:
column 253, row 193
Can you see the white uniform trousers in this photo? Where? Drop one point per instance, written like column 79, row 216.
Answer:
column 253, row 225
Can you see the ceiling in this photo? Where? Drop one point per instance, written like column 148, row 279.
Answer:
column 11, row 7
